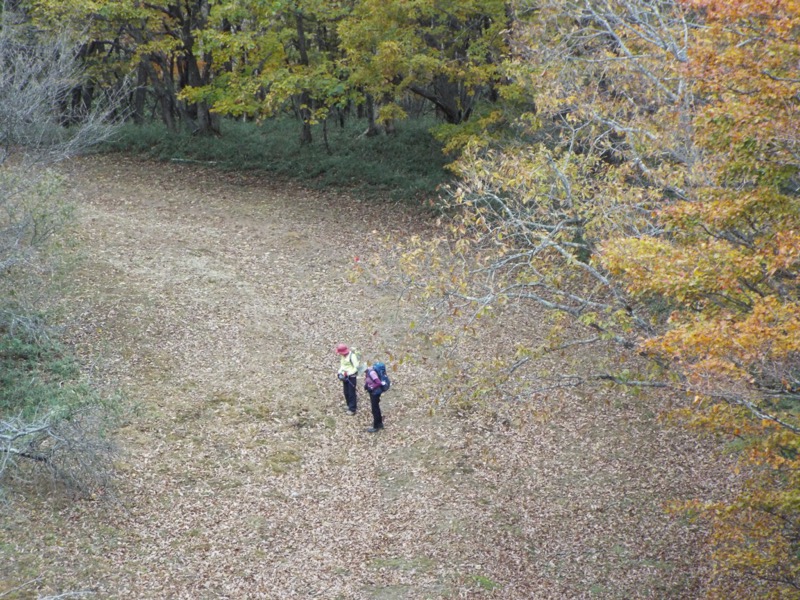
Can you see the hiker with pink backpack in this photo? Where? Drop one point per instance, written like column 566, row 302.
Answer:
column 376, row 381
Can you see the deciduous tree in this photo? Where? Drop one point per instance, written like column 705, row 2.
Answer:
column 445, row 52
column 275, row 55
column 159, row 42
column 727, row 262
column 653, row 196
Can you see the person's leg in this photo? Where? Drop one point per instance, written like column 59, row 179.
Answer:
column 350, row 392
column 377, row 417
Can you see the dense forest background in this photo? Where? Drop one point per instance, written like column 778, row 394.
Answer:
column 631, row 166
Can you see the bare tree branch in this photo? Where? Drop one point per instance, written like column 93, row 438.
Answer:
column 57, row 426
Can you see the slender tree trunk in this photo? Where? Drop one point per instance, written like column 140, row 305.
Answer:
column 167, row 109
column 304, row 107
column 325, row 136
column 163, row 85
column 139, row 94
column 305, row 116
column 373, row 128
column 164, row 89
column 340, row 114
column 204, row 121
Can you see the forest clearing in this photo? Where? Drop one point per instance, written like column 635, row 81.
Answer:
column 214, row 301
column 570, row 228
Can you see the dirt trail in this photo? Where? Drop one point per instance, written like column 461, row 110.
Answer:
column 216, row 300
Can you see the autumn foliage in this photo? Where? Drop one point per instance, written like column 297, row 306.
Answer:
column 255, row 59
column 650, row 190
column 732, row 257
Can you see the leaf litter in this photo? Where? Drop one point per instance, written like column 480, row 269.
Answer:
column 216, row 300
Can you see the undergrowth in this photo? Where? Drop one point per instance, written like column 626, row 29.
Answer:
column 51, row 416
column 406, row 166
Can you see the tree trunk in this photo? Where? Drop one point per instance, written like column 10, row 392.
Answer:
column 167, row 110
column 304, row 108
column 373, row 128
column 203, row 120
column 452, row 101
column 139, row 94
column 305, row 116
column 193, row 18
column 164, row 89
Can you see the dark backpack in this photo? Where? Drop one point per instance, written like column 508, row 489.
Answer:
column 380, row 369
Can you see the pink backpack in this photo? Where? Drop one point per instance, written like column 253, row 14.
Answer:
column 372, row 381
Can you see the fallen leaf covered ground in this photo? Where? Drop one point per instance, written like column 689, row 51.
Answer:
column 214, row 301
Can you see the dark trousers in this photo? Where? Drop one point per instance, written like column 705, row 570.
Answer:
column 349, row 386
column 375, row 402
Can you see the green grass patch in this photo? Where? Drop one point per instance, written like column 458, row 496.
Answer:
column 422, row 564
column 258, row 411
column 405, row 166
column 485, row 583
column 38, row 376
column 223, row 398
column 597, row 589
column 388, row 592
column 282, row 460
